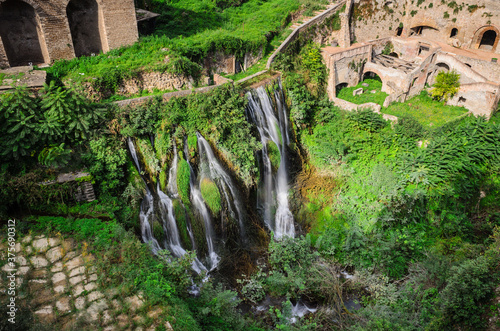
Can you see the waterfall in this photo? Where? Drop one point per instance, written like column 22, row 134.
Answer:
column 172, row 175
column 167, row 217
column 216, row 173
column 202, row 209
column 147, row 206
column 273, row 191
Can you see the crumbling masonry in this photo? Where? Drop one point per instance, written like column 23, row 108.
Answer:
column 41, row 31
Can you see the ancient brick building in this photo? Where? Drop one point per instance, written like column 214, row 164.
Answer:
column 41, row 31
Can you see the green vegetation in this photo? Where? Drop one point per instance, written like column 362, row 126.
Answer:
column 186, row 33
column 183, row 175
column 446, row 86
column 274, row 155
column 374, row 84
column 211, row 195
column 425, row 110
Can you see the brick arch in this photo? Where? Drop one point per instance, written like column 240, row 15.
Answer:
column 84, row 19
column 478, row 36
column 22, row 33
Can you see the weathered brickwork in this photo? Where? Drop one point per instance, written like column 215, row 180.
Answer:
column 48, row 30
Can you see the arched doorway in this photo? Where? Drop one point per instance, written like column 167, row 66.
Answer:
column 20, row 30
column 454, row 33
column 339, row 87
column 371, row 75
column 83, row 18
column 425, row 31
column 488, row 40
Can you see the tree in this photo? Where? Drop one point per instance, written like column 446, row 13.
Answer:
column 446, row 86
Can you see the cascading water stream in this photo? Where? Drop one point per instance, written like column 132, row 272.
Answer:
column 166, row 213
column 273, row 193
column 202, row 209
column 147, row 206
column 216, row 172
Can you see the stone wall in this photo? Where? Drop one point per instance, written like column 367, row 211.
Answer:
column 345, row 66
column 374, row 19
column 115, row 22
column 489, row 70
column 312, row 22
column 219, row 62
column 480, row 98
column 151, row 81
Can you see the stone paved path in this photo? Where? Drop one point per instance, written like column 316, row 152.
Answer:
column 59, row 283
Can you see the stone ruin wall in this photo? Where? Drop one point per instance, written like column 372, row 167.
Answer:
column 114, row 19
column 374, row 19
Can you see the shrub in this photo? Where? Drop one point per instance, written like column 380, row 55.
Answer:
column 446, row 86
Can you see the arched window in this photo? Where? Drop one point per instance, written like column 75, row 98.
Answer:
column 83, row 18
column 488, row 40
column 454, row 32
column 20, row 30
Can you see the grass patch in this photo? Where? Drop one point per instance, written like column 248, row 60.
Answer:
column 183, row 174
column 211, row 195
column 430, row 113
column 373, row 85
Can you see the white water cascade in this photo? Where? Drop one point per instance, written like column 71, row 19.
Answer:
column 212, row 169
column 166, row 214
column 147, row 206
column 273, row 191
column 202, row 209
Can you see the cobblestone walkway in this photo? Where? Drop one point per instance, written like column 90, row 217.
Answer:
column 59, row 283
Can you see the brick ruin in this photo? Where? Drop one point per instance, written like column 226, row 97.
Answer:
column 41, row 31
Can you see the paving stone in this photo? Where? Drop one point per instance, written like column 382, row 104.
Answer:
column 18, row 247
column 110, row 328
column 28, row 250
column 23, row 270
column 95, row 308
column 77, row 290
column 134, row 302
column 21, row 260
column 57, row 277
column 46, row 314
column 68, row 255
column 80, row 303
column 168, row 326
column 106, row 317
column 57, row 267
column 7, row 268
column 90, row 287
column 94, row 296
column 63, row 305
column 122, row 320
column 68, row 244
column 54, row 242
column 19, row 281
column 138, row 319
column 54, row 254
column 92, row 277
column 77, row 271
column 40, row 245
column 26, row 240
column 39, row 261
column 76, row 280
column 74, row 263
column 116, row 304
column 153, row 314
column 60, row 289
column 111, row 292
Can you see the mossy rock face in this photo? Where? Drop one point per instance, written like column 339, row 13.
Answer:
column 158, row 232
column 198, row 228
column 183, row 174
column 211, row 195
column 192, row 142
column 181, row 219
column 163, row 180
column 147, row 157
column 274, row 155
